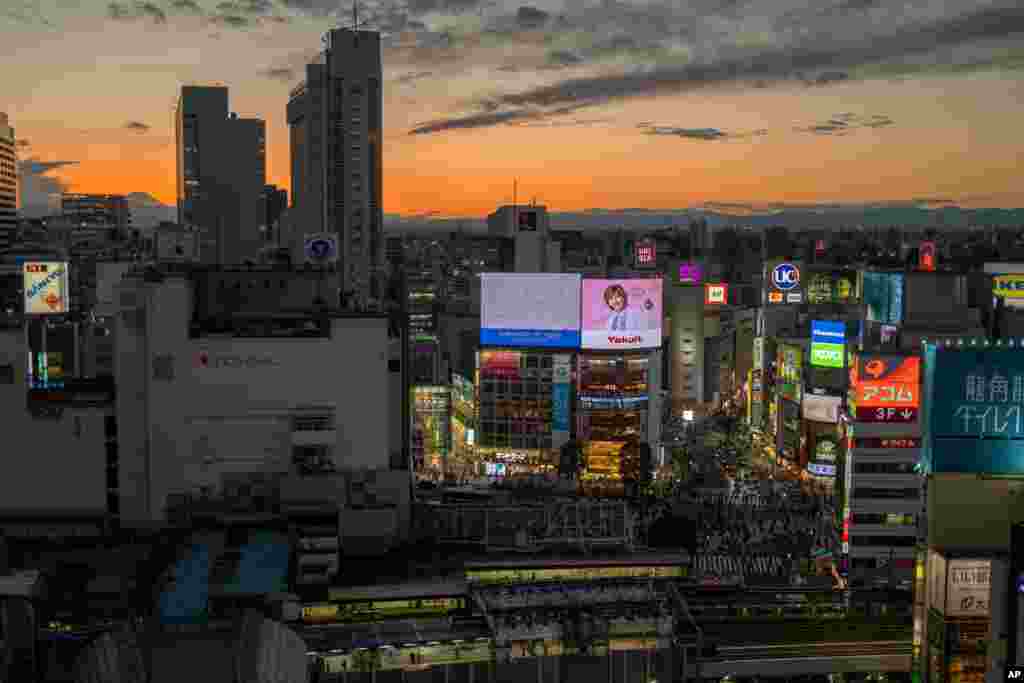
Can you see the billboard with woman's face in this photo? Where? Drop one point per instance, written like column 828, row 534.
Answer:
column 622, row 314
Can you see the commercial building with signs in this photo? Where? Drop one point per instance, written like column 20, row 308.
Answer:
column 431, row 420
column 883, row 490
column 201, row 407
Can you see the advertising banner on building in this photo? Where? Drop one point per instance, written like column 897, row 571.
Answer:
column 622, row 314
column 885, row 388
column 561, row 377
column 716, row 294
column 975, row 421
column 883, row 294
column 689, row 274
column 969, row 587
column 789, row 380
column 824, row 451
column 1010, row 286
column 831, row 286
column 645, row 254
column 45, row 286
column 828, row 343
column 926, row 256
column 782, row 283
column 819, row 408
column 791, row 429
column 499, row 364
column 530, row 310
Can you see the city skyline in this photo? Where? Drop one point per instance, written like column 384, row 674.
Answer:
column 611, row 105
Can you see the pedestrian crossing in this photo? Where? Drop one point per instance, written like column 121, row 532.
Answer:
column 735, row 565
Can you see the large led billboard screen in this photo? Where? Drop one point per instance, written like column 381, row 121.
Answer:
column 883, row 294
column 622, row 314
column 530, row 310
column 828, row 343
column 45, row 284
column 885, row 388
column 976, row 401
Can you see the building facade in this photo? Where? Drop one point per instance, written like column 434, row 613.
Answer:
column 96, row 210
column 336, row 122
column 8, row 184
column 221, row 175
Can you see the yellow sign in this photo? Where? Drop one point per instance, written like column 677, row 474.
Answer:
column 45, row 287
column 1008, row 286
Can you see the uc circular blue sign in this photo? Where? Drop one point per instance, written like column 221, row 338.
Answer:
column 785, row 276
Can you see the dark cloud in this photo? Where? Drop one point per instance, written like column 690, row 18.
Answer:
column 137, row 126
column 231, row 20
column 563, row 58
column 413, row 77
column 483, row 120
column 236, row 7
column 186, row 6
column 137, row 10
column 531, row 17
column 706, row 134
column 39, row 191
column 827, row 57
column 280, row 74
column 841, row 124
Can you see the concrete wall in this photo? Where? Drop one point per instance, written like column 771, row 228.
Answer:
column 50, row 465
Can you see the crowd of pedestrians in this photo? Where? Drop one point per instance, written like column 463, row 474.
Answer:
column 748, row 530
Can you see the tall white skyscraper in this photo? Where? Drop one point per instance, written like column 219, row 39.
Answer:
column 222, row 171
column 335, row 120
column 8, row 184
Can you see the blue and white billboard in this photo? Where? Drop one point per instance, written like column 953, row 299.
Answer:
column 540, row 310
column 828, row 343
column 975, row 410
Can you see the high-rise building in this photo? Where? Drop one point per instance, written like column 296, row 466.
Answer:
column 221, row 175
column 276, row 201
column 8, row 184
column 335, row 120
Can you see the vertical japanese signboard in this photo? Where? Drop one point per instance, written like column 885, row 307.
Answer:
column 976, row 410
column 561, row 376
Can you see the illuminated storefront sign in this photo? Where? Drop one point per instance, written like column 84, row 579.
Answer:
column 790, row 380
column 885, row 388
column 690, row 273
column 875, row 442
column 645, row 253
column 783, row 283
column 561, row 375
column 831, row 287
column 969, row 588
column 499, row 364
column 828, row 343
column 926, row 256
column 716, row 294
column 1008, row 286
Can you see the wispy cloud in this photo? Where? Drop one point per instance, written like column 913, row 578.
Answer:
column 280, row 73
column 137, row 126
column 23, row 143
column 412, row 77
column 137, row 10
column 842, row 124
column 840, row 52
column 704, row 134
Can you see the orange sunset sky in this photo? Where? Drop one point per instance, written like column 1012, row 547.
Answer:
column 655, row 105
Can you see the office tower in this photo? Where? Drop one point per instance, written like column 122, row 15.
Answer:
column 8, row 184
column 335, row 121
column 276, row 201
column 221, row 175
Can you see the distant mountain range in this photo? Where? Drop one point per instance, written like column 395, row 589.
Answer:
column 828, row 218
column 148, row 212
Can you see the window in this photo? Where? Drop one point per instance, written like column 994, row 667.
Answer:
column 866, row 492
column 884, row 541
column 883, row 467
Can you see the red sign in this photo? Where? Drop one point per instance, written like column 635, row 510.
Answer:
column 644, row 253
column 819, row 247
column 35, row 267
column 926, row 256
column 875, row 442
column 775, row 297
column 716, row 294
column 886, row 414
column 881, row 381
column 499, row 363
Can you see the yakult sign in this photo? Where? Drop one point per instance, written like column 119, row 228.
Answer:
column 622, row 314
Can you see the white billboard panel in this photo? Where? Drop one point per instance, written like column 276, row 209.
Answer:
column 821, row 408
column 969, row 588
column 530, row 309
column 45, row 286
